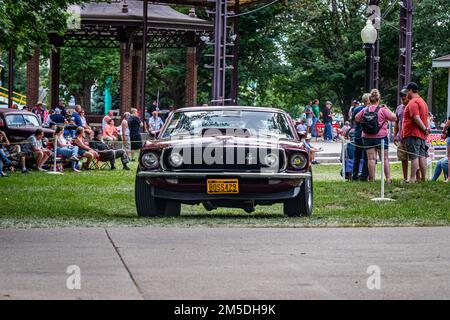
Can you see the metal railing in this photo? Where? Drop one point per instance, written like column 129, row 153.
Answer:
column 17, row 97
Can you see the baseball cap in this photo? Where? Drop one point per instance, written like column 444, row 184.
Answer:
column 412, row 86
column 356, row 101
column 404, row 92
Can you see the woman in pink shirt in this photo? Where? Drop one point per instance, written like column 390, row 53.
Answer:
column 372, row 142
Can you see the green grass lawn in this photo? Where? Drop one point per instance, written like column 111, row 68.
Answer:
column 105, row 198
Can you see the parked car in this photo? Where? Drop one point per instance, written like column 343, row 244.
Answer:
column 236, row 157
column 19, row 125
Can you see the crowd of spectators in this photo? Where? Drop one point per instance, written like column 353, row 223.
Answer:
column 78, row 145
column 412, row 124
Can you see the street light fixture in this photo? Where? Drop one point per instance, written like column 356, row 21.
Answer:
column 369, row 36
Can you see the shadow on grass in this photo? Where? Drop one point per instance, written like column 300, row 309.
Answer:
column 200, row 216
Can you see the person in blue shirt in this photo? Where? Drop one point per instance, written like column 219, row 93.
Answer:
column 57, row 117
column 360, row 152
column 77, row 117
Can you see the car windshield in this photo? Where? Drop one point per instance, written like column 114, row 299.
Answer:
column 21, row 120
column 256, row 123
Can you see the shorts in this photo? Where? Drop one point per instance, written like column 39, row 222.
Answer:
column 370, row 143
column 81, row 152
column 126, row 144
column 309, row 122
column 136, row 142
column 402, row 155
column 447, row 142
column 416, row 148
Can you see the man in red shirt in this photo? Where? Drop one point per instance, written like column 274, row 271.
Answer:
column 415, row 130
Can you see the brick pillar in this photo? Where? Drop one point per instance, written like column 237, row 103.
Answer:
column 137, row 74
column 191, row 77
column 33, row 78
column 54, row 76
column 126, row 79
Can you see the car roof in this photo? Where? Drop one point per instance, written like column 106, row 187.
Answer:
column 240, row 108
column 12, row 111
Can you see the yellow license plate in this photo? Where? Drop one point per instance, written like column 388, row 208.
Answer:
column 223, row 186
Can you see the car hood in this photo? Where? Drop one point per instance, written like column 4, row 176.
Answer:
column 214, row 141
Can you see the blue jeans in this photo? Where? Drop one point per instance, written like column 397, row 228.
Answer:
column 328, row 132
column 4, row 158
column 441, row 165
column 68, row 152
column 313, row 128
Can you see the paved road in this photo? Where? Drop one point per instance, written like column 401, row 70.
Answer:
column 177, row 263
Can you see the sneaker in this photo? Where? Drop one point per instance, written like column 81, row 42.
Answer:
column 113, row 168
column 25, row 171
column 42, row 170
column 74, row 158
column 76, row 170
column 3, row 175
column 126, row 168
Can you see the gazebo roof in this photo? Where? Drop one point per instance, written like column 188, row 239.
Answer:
column 105, row 25
column 101, row 12
column 208, row 3
column 442, row 62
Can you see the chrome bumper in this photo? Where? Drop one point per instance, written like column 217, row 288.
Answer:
column 253, row 175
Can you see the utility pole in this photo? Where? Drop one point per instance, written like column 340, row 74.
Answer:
column 405, row 45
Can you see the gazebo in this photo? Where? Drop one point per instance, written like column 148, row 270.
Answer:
column 118, row 25
column 444, row 62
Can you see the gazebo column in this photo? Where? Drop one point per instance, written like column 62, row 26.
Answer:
column 55, row 59
column 137, row 75
column 126, row 79
column 191, row 77
column 33, row 78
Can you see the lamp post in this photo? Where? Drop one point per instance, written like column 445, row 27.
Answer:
column 369, row 36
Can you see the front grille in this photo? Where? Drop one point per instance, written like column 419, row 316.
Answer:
column 237, row 159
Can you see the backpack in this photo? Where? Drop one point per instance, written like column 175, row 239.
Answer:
column 369, row 121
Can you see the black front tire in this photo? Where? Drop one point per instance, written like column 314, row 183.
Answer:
column 146, row 204
column 302, row 204
column 172, row 209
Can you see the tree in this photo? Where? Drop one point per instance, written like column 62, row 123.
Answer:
column 81, row 68
column 27, row 22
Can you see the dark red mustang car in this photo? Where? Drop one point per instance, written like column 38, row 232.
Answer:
column 236, row 157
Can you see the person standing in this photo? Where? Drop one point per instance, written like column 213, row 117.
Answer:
column 372, row 139
column 134, row 125
column 125, row 132
column 446, row 136
column 415, row 130
column 309, row 116
column 360, row 153
column 402, row 155
column 354, row 105
column 327, row 119
column 316, row 116
column 61, row 106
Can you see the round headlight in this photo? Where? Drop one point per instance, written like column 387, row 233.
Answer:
column 298, row 161
column 271, row 160
column 150, row 160
column 175, row 160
